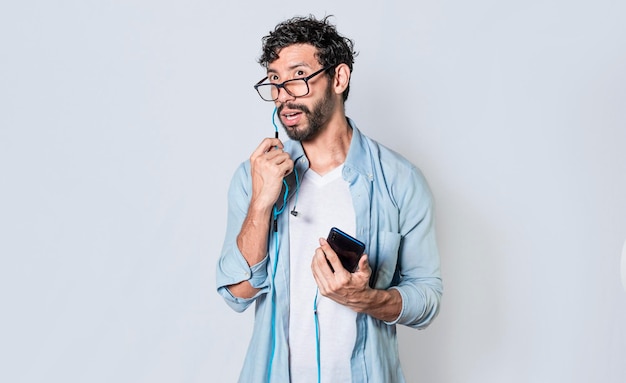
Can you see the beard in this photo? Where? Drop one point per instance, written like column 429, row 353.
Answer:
column 316, row 118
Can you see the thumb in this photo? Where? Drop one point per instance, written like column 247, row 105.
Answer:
column 364, row 265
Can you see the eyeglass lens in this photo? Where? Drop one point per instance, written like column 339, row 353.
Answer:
column 295, row 88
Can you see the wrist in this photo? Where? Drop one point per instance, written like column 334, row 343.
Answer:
column 385, row 305
column 366, row 300
column 260, row 210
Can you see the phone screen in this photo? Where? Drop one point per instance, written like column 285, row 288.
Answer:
column 348, row 248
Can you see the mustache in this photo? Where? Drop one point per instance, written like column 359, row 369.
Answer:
column 300, row 107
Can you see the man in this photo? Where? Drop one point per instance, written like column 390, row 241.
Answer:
column 316, row 321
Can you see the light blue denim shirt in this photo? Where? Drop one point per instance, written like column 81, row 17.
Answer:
column 394, row 210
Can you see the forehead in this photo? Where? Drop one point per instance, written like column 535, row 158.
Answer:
column 295, row 55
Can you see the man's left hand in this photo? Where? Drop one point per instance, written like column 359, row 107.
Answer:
column 341, row 286
column 352, row 289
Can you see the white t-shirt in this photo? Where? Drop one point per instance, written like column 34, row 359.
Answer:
column 322, row 202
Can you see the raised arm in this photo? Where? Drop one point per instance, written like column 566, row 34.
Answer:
column 268, row 165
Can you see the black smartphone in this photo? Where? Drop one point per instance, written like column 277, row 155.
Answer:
column 348, row 248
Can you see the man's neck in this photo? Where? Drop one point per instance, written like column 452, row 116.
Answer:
column 330, row 148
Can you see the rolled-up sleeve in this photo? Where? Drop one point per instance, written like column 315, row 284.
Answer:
column 419, row 278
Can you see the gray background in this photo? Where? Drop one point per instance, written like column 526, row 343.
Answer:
column 121, row 123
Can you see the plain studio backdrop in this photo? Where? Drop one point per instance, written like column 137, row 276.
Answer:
column 121, row 123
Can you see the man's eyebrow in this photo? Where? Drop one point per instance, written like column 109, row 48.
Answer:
column 292, row 67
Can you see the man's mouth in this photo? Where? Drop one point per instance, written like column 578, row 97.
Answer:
column 291, row 119
column 291, row 115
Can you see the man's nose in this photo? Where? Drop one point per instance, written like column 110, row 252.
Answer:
column 283, row 95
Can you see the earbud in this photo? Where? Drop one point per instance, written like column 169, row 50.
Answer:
column 294, row 212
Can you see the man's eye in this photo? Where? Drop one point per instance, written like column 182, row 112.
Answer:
column 272, row 78
column 300, row 73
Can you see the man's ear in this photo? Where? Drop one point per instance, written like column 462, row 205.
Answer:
column 342, row 78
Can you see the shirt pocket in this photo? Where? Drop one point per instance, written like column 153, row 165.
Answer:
column 386, row 258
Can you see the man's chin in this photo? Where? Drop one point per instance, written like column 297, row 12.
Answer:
column 295, row 132
column 301, row 132
column 293, row 135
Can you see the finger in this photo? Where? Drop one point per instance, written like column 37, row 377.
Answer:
column 277, row 156
column 364, row 265
column 321, row 270
column 286, row 166
column 332, row 257
column 276, row 162
column 320, row 264
column 267, row 145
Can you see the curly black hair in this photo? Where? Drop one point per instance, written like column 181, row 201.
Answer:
column 332, row 48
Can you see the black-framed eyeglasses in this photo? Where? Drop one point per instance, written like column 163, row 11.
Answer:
column 297, row 87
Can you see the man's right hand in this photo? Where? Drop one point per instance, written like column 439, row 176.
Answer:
column 269, row 165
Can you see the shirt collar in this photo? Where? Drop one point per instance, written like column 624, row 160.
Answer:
column 357, row 159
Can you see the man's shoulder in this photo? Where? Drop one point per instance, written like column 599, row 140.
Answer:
column 387, row 157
